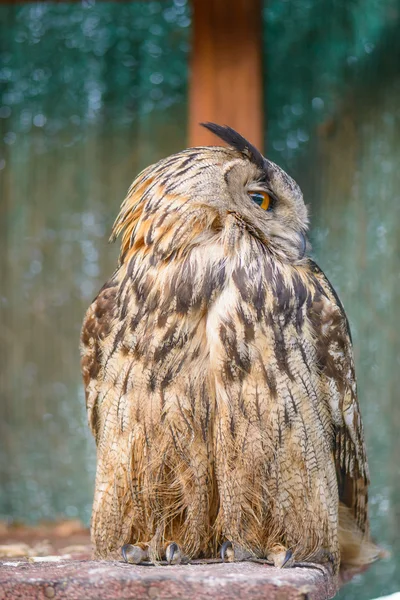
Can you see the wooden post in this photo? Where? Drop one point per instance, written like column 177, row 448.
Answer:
column 226, row 69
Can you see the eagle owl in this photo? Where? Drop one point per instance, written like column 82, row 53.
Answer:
column 219, row 375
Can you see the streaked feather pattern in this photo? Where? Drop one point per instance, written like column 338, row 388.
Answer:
column 219, row 375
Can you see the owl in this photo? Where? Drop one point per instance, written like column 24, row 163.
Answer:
column 218, row 368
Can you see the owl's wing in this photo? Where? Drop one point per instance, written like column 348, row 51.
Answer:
column 335, row 356
column 97, row 326
column 103, row 377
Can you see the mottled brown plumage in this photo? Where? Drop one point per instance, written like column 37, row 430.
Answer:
column 219, row 374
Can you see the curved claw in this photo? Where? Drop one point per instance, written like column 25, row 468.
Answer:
column 281, row 558
column 287, row 558
column 173, row 554
column 133, row 554
column 227, row 552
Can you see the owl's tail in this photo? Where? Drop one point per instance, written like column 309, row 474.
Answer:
column 357, row 550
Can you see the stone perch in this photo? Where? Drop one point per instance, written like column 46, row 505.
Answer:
column 55, row 577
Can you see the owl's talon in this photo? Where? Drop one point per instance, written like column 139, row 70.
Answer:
column 287, row 558
column 281, row 558
column 134, row 554
column 227, row 552
column 173, row 554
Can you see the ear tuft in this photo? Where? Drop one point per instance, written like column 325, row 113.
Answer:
column 237, row 141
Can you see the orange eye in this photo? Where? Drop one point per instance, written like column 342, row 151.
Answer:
column 262, row 199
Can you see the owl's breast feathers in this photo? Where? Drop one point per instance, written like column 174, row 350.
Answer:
column 204, row 355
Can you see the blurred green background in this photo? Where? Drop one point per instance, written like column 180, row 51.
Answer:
column 90, row 94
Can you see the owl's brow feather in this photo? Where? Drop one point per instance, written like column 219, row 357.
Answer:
column 237, row 141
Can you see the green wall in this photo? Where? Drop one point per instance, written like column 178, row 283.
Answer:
column 90, row 95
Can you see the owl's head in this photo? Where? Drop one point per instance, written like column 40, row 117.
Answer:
column 206, row 186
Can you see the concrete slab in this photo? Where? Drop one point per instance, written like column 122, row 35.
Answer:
column 94, row 580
